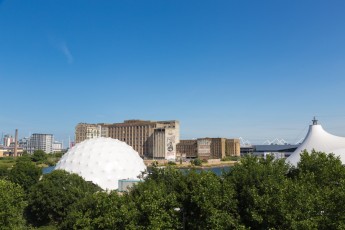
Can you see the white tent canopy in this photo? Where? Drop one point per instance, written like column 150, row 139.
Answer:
column 319, row 140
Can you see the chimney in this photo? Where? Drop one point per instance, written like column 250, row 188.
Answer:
column 15, row 143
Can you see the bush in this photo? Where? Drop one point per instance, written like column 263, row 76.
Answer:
column 171, row 163
column 231, row 158
column 196, row 162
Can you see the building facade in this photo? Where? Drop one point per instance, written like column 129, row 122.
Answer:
column 84, row 131
column 39, row 141
column 187, row 149
column 164, row 143
column 57, row 146
column 7, row 140
column 209, row 148
column 151, row 139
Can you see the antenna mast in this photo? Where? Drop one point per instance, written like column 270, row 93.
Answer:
column 314, row 121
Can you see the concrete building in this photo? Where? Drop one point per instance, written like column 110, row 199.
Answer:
column 84, row 131
column 40, row 141
column 164, row 143
column 187, row 149
column 233, row 147
column 209, row 148
column 151, row 139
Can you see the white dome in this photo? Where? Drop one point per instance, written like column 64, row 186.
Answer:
column 321, row 141
column 103, row 161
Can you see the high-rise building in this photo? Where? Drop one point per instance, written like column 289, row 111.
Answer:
column 40, row 141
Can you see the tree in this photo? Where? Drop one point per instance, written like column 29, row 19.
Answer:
column 51, row 197
column 169, row 199
column 39, row 156
column 259, row 190
column 208, row 202
column 102, row 211
column 12, row 204
column 25, row 173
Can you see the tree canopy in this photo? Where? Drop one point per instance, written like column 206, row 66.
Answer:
column 12, row 204
column 256, row 193
column 25, row 173
column 51, row 197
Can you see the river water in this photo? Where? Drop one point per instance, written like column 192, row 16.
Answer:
column 217, row 170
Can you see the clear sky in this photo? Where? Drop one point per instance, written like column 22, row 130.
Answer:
column 233, row 68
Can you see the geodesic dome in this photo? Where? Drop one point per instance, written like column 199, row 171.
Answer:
column 103, row 161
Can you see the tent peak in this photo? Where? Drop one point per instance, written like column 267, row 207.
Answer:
column 314, row 121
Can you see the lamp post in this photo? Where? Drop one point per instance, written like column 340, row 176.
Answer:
column 183, row 217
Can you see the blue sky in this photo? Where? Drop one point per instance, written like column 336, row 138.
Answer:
column 255, row 69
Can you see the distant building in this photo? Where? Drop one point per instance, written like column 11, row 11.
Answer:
column 187, row 149
column 57, row 146
column 145, row 136
column 84, row 131
column 8, row 139
column 40, row 141
column 278, row 151
column 9, row 151
column 164, row 143
column 151, row 139
column 24, row 143
column 209, row 148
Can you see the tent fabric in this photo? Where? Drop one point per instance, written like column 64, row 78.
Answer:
column 319, row 140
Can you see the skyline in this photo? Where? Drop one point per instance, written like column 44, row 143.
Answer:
column 256, row 70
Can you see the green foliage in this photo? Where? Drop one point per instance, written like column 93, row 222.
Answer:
column 170, row 199
column 12, row 204
column 196, row 162
column 259, row 187
column 6, row 163
column 231, row 158
column 256, row 193
column 39, row 156
column 51, row 197
column 102, row 211
column 25, row 173
column 171, row 163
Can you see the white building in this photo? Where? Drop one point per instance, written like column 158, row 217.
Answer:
column 57, row 146
column 321, row 141
column 40, row 141
column 8, row 139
